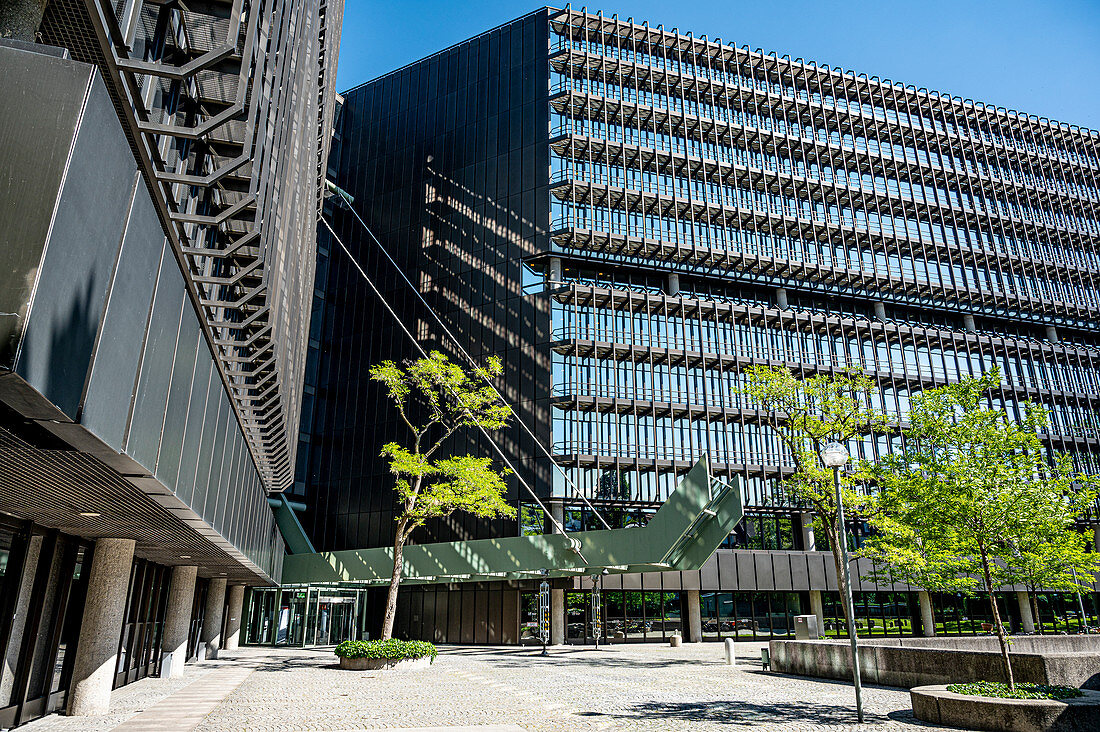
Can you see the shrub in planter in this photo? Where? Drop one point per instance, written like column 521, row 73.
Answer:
column 388, row 650
column 1022, row 691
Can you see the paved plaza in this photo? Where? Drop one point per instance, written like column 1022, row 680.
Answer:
column 623, row 687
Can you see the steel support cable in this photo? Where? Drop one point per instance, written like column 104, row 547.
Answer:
column 420, row 348
column 576, row 491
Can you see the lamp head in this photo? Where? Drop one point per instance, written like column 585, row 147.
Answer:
column 834, row 455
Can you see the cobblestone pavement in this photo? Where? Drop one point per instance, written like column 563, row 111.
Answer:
column 624, row 687
column 125, row 703
column 635, row 687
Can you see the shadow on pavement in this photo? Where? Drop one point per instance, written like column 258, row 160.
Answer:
column 740, row 713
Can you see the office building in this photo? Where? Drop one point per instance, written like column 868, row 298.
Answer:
column 160, row 180
column 629, row 216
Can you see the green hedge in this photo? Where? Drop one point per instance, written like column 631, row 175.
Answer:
column 392, row 648
column 1022, row 691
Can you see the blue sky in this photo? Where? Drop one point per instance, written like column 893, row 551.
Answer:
column 1038, row 56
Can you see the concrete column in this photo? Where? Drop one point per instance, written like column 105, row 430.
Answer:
column 1052, row 334
column 233, row 621
column 212, row 617
column 695, row 618
column 817, row 607
column 557, row 510
column 968, row 323
column 1027, row 618
column 781, row 297
column 101, row 627
column 177, row 620
column 673, row 286
column 880, row 310
column 553, row 272
column 809, row 542
column 557, row 617
column 927, row 620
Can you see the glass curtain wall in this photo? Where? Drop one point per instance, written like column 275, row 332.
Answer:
column 313, row 616
column 43, row 582
column 139, row 648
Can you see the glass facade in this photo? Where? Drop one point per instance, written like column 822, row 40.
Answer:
column 714, row 208
column 629, row 218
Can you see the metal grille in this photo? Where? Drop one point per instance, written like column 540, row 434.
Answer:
column 237, row 193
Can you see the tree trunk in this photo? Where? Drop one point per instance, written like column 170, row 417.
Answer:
column 395, row 583
column 997, row 621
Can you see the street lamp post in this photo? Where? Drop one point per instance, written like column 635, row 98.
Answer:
column 835, row 455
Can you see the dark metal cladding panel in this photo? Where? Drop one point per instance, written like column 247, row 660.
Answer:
column 193, row 433
column 80, row 257
column 118, row 353
column 727, row 570
column 765, row 570
column 663, row 580
column 800, row 572
column 708, row 574
column 781, row 570
column 179, row 397
column 143, row 442
column 816, row 564
column 215, row 497
column 746, row 571
column 38, row 118
column 829, row 565
column 214, row 403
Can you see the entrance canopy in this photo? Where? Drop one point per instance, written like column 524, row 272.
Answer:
column 682, row 535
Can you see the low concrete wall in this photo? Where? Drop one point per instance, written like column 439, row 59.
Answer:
column 1019, row 643
column 390, row 664
column 938, row 705
column 904, row 663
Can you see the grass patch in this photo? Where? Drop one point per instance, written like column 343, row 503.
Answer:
column 389, row 649
column 1022, row 691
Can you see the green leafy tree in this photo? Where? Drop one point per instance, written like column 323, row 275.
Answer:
column 1054, row 556
column 972, row 497
column 435, row 398
column 807, row 414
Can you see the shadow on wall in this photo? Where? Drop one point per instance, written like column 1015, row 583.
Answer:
column 60, row 370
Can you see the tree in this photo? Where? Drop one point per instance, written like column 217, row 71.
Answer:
column 1055, row 557
column 435, row 398
column 972, row 496
column 807, row 414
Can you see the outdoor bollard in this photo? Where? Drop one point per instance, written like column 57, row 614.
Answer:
column 731, row 659
column 675, row 640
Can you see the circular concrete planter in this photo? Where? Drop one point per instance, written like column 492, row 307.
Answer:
column 385, row 664
column 938, row 705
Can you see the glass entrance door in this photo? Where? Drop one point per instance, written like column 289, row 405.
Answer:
column 321, row 616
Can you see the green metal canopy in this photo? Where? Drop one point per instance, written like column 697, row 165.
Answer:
column 294, row 536
column 683, row 534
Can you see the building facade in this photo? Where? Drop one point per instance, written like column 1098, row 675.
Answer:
column 161, row 180
column 629, row 216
